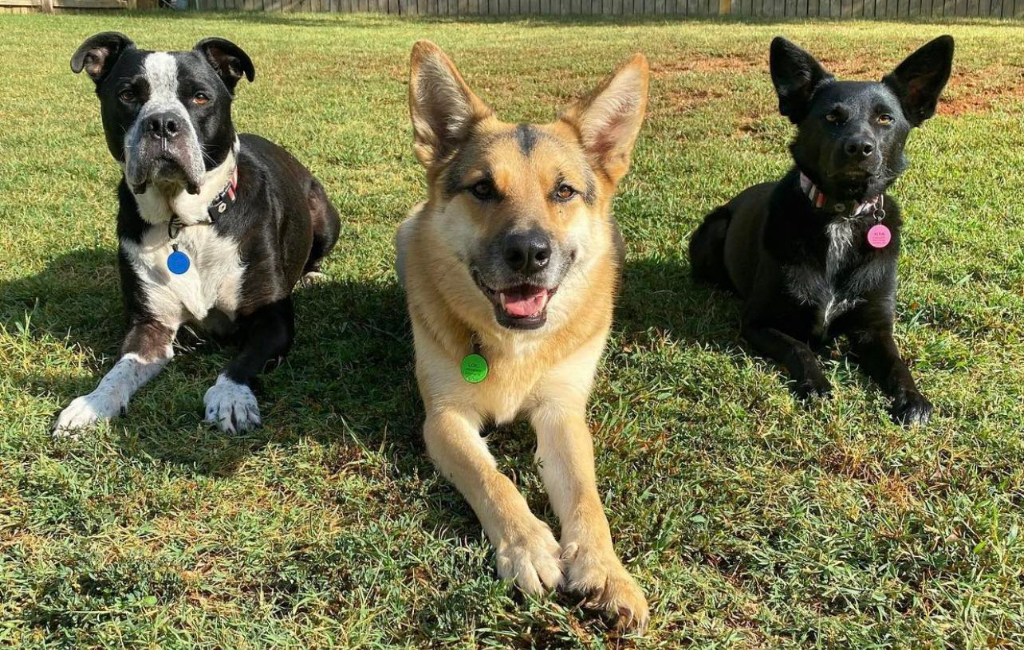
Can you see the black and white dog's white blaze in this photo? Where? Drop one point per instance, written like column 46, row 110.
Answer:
column 214, row 228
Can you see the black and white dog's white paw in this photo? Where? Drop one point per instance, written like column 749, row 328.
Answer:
column 84, row 412
column 232, row 406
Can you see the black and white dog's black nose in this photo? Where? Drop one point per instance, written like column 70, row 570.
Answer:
column 527, row 252
column 164, row 126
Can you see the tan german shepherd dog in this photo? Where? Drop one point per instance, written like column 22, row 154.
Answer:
column 515, row 258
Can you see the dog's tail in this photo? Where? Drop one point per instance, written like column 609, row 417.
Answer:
column 707, row 248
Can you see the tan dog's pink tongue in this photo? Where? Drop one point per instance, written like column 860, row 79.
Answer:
column 524, row 301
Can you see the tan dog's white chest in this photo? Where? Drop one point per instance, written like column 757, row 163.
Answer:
column 212, row 282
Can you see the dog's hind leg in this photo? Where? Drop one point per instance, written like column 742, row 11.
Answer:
column 707, row 248
column 326, row 227
column 526, row 551
column 146, row 350
column 267, row 336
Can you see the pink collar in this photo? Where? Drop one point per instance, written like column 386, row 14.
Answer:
column 856, row 208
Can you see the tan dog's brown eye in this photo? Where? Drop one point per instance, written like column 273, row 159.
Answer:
column 483, row 190
column 885, row 118
column 201, row 99
column 127, row 96
column 565, row 192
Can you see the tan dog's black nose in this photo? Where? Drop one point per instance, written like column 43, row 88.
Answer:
column 527, row 252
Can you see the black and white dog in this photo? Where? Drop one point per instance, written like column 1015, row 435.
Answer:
column 215, row 228
column 814, row 254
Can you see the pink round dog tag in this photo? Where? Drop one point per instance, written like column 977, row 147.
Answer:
column 879, row 236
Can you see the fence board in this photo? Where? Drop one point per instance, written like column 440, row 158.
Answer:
column 777, row 9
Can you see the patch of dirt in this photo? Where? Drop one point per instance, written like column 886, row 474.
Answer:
column 683, row 100
column 973, row 92
column 758, row 123
column 730, row 63
column 853, row 69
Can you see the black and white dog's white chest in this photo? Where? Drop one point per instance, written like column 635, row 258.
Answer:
column 838, row 283
column 213, row 282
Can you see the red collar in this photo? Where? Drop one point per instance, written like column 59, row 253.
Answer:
column 851, row 209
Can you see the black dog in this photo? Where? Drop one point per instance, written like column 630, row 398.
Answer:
column 214, row 228
column 814, row 255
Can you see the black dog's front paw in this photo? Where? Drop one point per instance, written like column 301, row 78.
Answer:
column 812, row 386
column 911, row 410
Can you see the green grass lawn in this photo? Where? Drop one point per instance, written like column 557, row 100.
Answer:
column 750, row 521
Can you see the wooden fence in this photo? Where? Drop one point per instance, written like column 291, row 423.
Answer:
column 52, row 6
column 853, row 9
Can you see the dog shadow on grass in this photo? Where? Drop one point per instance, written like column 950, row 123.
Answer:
column 659, row 297
column 349, row 375
column 348, row 383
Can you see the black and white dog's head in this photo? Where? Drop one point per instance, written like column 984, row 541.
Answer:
column 851, row 134
column 166, row 115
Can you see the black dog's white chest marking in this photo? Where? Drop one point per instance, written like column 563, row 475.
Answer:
column 832, row 295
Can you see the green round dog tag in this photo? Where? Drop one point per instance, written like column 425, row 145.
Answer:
column 474, row 368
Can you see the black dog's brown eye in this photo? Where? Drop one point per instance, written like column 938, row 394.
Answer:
column 127, row 96
column 565, row 192
column 834, row 116
column 201, row 99
column 483, row 190
column 885, row 118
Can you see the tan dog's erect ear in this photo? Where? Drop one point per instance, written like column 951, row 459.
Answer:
column 443, row 107
column 609, row 119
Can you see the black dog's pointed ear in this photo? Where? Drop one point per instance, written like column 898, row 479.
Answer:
column 98, row 54
column 229, row 61
column 796, row 75
column 919, row 80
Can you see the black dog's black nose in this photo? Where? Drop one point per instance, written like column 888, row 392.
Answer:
column 527, row 252
column 862, row 147
column 163, row 125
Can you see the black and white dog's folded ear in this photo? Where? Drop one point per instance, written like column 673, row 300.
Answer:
column 919, row 80
column 98, row 54
column 229, row 61
column 796, row 76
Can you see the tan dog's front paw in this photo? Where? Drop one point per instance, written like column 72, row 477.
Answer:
column 531, row 559
column 606, row 585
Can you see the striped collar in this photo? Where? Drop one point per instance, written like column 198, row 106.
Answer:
column 850, row 209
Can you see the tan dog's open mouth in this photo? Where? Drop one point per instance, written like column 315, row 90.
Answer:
column 522, row 306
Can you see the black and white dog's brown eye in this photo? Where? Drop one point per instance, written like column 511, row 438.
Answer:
column 483, row 190
column 201, row 99
column 127, row 96
column 565, row 192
